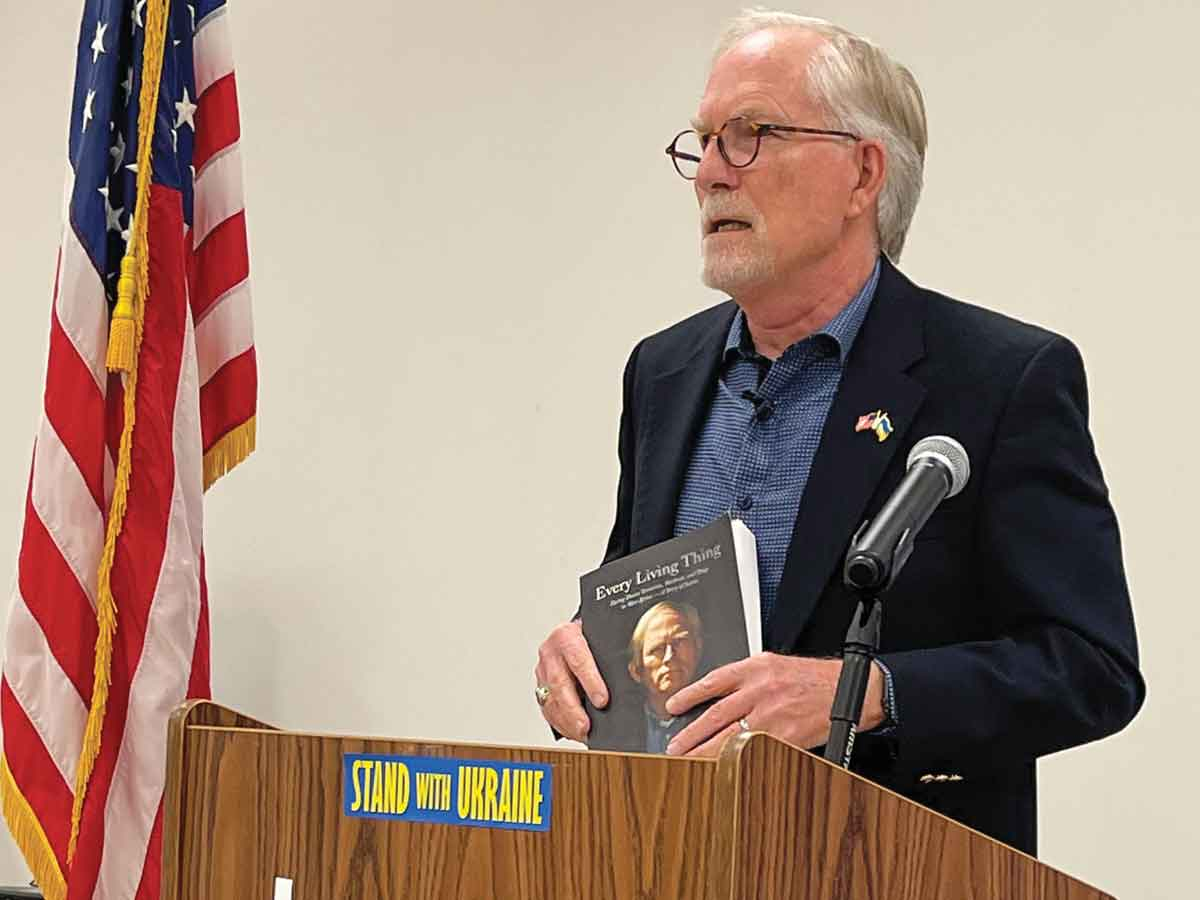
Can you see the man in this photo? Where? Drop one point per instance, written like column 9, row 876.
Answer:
column 664, row 656
column 1009, row 634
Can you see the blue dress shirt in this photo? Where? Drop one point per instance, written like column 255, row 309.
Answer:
column 758, row 441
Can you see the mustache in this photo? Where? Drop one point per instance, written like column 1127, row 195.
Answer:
column 728, row 206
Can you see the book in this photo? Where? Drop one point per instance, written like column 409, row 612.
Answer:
column 661, row 618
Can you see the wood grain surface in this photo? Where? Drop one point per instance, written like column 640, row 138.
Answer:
column 806, row 829
column 246, row 803
column 175, row 802
column 262, row 804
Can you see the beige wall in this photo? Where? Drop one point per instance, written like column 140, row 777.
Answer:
column 462, row 221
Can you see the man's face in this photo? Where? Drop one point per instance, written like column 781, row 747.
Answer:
column 670, row 655
column 795, row 194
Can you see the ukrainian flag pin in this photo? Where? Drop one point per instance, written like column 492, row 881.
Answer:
column 878, row 422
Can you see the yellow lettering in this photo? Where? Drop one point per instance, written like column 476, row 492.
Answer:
column 489, row 809
column 389, row 786
column 523, row 794
column 377, row 786
column 424, row 785
column 355, row 770
column 477, row 795
column 464, row 791
column 536, row 818
column 403, row 789
column 504, row 813
column 396, row 788
column 515, row 803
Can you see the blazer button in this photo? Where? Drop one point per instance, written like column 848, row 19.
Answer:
column 745, row 503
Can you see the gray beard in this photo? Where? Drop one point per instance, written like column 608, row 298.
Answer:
column 730, row 272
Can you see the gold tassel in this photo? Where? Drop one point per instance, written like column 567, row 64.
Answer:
column 29, row 837
column 120, row 337
column 135, row 267
column 230, row 450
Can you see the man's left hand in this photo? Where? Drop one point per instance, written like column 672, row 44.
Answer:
column 788, row 697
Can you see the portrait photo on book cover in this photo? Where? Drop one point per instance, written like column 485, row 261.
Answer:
column 665, row 654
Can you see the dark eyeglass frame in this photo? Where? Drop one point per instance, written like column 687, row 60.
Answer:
column 758, row 128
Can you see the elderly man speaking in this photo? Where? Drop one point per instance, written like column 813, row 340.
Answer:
column 1009, row 635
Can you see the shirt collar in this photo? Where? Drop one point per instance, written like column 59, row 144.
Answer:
column 843, row 327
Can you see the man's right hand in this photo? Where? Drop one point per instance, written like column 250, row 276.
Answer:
column 565, row 663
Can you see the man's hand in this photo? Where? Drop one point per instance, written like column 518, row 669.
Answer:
column 564, row 664
column 787, row 696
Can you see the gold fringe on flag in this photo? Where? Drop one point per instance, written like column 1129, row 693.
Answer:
column 29, row 837
column 230, row 450
column 126, row 343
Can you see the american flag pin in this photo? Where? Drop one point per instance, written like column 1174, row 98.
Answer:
column 878, row 422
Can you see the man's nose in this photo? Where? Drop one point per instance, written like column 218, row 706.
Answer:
column 669, row 654
column 714, row 173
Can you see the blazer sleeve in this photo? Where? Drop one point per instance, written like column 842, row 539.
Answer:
column 1063, row 668
column 620, row 536
column 618, row 540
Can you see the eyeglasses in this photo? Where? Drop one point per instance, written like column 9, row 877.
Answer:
column 738, row 140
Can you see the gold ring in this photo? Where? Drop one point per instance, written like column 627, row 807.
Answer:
column 744, row 724
column 541, row 693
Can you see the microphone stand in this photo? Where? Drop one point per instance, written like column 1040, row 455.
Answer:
column 878, row 551
column 861, row 645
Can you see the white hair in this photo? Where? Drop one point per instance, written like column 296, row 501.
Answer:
column 866, row 92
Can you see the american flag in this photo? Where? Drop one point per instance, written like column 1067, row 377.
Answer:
column 108, row 630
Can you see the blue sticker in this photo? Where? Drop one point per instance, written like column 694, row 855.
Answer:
column 475, row 792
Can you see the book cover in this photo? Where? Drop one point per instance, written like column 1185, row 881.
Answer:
column 661, row 618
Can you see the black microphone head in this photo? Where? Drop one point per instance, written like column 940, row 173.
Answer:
column 864, row 573
column 947, row 451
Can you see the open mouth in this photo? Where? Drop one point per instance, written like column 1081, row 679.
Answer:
column 721, row 226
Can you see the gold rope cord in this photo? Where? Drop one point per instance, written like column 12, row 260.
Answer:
column 125, row 342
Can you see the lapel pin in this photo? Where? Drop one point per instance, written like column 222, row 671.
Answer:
column 878, row 422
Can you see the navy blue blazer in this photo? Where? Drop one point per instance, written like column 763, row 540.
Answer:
column 1009, row 633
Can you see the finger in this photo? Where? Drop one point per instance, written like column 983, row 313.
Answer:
column 567, row 718
column 713, row 745
column 716, row 683
column 563, row 709
column 715, row 719
column 579, row 659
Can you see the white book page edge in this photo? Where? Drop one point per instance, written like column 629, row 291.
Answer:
column 745, row 549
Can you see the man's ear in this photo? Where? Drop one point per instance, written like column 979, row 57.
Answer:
column 872, row 173
column 635, row 672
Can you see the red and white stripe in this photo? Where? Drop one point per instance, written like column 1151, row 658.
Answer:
column 203, row 386
column 49, row 652
column 219, row 264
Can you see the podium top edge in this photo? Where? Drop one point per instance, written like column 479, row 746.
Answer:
column 450, row 742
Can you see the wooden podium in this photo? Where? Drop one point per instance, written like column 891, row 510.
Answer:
column 247, row 804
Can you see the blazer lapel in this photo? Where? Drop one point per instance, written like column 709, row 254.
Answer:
column 849, row 464
column 677, row 401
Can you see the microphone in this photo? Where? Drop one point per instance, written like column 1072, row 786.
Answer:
column 938, row 468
